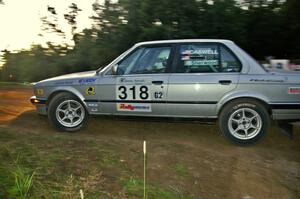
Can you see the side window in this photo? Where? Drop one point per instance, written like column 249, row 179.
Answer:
column 206, row 58
column 146, row 61
column 229, row 63
column 198, row 58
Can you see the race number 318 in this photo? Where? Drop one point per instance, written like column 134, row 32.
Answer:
column 133, row 92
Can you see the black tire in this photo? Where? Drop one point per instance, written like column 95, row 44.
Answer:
column 59, row 99
column 232, row 116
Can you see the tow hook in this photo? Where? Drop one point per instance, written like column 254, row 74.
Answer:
column 286, row 128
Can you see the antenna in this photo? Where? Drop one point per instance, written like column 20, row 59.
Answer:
column 144, row 151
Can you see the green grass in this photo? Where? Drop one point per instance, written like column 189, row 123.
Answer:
column 58, row 165
column 181, row 170
column 23, row 183
column 17, row 181
column 15, row 84
column 134, row 187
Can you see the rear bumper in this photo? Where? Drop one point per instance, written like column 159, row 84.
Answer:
column 40, row 104
column 286, row 111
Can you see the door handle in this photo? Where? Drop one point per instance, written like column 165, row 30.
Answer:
column 225, row 82
column 157, row 82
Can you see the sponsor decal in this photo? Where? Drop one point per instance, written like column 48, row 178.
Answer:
column 122, row 79
column 135, row 80
column 134, row 107
column 90, row 90
column 266, row 80
column 40, row 91
column 186, row 58
column 201, row 51
column 202, row 56
column 294, row 90
column 92, row 104
column 87, row 81
column 200, row 62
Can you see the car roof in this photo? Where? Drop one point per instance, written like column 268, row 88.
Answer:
column 183, row 41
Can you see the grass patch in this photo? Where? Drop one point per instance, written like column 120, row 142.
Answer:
column 134, row 188
column 181, row 170
column 60, row 165
column 109, row 159
column 16, row 179
column 23, row 183
column 15, row 84
column 6, row 136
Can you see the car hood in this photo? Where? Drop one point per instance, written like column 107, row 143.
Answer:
column 73, row 78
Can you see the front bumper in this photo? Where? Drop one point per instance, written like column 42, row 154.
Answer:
column 34, row 100
column 40, row 104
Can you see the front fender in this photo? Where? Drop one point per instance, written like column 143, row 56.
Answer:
column 69, row 89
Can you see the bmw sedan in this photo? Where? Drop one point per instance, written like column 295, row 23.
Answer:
column 195, row 78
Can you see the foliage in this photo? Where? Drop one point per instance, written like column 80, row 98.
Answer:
column 262, row 28
column 23, row 178
column 23, row 183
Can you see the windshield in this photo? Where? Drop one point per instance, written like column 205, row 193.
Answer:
column 102, row 68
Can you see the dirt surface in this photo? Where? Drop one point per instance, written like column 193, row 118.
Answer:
column 214, row 167
column 14, row 100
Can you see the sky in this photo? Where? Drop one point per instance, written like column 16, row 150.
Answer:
column 20, row 23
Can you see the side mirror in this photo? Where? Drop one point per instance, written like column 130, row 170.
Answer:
column 114, row 69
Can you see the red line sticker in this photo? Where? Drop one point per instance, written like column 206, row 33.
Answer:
column 294, row 90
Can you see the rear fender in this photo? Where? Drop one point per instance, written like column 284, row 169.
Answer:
column 241, row 94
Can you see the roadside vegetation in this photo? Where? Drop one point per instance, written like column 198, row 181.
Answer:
column 263, row 28
column 14, row 84
column 34, row 165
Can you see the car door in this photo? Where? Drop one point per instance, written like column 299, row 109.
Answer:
column 140, row 85
column 203, row 74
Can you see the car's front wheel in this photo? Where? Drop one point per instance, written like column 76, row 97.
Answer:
column 66, row 112
column 244, row 121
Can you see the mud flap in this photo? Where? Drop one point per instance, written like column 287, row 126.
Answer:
column 286, row 128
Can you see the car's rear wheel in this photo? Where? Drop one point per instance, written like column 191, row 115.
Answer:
column 66, row 112
column 244, row 121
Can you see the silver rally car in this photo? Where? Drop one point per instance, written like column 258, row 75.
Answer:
column 195, row 78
